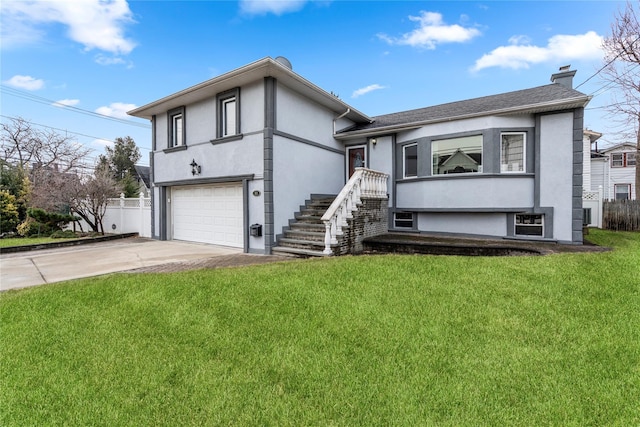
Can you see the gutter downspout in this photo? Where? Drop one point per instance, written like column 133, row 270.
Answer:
column 338, row 118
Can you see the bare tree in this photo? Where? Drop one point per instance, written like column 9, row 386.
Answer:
column 622, row 70
column 26, row 146
column 90, row 198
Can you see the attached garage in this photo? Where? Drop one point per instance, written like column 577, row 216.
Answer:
column 208, row 214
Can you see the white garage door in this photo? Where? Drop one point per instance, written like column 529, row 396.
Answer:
column 208, row 214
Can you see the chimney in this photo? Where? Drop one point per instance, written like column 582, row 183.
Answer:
column 564, row 77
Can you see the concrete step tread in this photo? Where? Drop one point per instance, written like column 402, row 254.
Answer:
column 305, row 233
column 297, row 252
column 288, row 241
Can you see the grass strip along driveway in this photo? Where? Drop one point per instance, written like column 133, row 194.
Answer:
column 371, row 340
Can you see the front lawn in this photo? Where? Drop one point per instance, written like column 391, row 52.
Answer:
column 23, row 241
column 348, row 341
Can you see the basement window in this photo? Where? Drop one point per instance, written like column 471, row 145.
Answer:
column 403, row 220
column 529, row 225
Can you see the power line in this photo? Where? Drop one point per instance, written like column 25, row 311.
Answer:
column 68, row 131
column 606, row 65
column 34, row 98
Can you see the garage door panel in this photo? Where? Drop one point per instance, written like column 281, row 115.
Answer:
column 208, row 214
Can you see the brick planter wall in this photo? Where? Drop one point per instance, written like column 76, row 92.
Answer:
column 371, row 219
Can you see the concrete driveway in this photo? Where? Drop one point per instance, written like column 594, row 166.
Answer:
column 23, row 269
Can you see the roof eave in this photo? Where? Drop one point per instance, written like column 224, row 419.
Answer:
column 565, row 104
column 266, row 67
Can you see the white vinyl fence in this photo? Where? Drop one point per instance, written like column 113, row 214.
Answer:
column 126, row 215
column 592, row 208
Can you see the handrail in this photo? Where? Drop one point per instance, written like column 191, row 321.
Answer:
column 363, row 183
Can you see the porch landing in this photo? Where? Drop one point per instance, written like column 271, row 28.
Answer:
column 419, row 243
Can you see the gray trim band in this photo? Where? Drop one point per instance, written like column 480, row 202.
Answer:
column 306, row 141
column 270, row 115
column 199, row 181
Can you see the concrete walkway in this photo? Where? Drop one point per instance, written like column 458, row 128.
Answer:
column 24, row 269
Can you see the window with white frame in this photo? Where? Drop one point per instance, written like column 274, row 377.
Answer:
column 623, row 160
column 229, row 113
column 410, row 161
column 403, row 220
column 512, row 152
column 529, row 225
column 457, row 155
column 617, row 160
column 622, row 191
column 176, row 134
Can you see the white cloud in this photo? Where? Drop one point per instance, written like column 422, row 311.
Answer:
column 277, row 7
column 25, row 82
column 96, row 24
column 116, row 109
column 367, row 89
column 432, row 31
column 560, row 48
column 102, row 143
column 66, row 103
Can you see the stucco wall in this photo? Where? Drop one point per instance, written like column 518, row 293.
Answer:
column 299, row 116
column 466, row 193
column 555, row 171
column 487, row 224
column 300, row 170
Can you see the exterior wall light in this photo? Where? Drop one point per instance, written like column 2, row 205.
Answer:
column 374, row 141
column 195, row 168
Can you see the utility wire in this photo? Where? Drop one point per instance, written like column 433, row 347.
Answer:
column 68, row 131
column 605, row 65
column 31, row 97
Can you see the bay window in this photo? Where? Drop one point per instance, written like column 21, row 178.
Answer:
column 457, row 155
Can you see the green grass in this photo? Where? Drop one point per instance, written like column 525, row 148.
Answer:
column 380, row 340
column 22, row 241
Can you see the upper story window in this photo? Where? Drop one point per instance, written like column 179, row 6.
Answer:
column 176, row 120
column 622, row 160
column 410, row 161
column 512, row 152
column 457, row 155
column 229, row 113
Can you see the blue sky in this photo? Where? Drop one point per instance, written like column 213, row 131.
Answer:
column 78, row 66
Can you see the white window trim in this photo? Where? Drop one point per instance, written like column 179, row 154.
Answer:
column 395, row 220
column 628, row 192
column 524, row 152
column 404, row 161
column 225, row 118
column 515, row 226
column 175, row 140
column 621, row 165
column 626, row 159
column 176, row 137
column 222, row 100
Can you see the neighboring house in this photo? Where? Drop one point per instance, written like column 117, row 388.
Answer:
column 614, row 169
column 250, row 146
column 143, row 178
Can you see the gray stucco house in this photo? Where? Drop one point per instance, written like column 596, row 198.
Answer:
column 235, row 157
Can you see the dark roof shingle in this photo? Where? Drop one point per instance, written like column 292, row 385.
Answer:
column 477, row 106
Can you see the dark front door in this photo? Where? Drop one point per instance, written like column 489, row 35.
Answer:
column 355, row 159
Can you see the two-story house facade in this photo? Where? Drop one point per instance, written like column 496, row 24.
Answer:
column 246, row 148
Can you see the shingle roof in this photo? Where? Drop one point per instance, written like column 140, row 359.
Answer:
column 542, row 96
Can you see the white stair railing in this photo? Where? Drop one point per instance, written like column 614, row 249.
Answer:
column 363, row 183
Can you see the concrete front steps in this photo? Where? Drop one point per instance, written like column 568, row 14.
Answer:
column 305, row 235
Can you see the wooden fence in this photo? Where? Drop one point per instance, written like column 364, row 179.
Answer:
column 621, row 215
